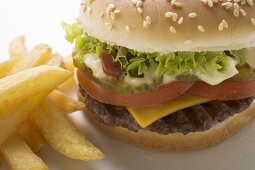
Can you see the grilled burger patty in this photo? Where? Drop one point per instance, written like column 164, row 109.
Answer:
column 197, row 118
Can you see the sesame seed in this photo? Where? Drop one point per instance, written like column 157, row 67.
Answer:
column 116, row 11
column 139, row 3
column 225, row 23
column 175, row 17
column 139, row 10
column 169, row 14
column 145, row 25
column 236, row 6
column 180, row 21
column 192, row 15
column 221, row 27
column 210, row 3
column 236, row 13
column 250, row 2
column 172, row 29
column 243, row 12
column 148, row 19
column 201, row 28
column 127, row 28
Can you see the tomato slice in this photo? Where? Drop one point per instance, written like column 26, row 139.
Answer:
column 163, row 94
column 228, row 90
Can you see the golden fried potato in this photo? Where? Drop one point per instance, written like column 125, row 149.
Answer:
column 65, row 102
column 6, row 66
column 19, row 156
column 55, row 60
column 23, row 85
column 60, row 134
column 39, row 55
column 68, row 62
column 68, row 87
column 17, row 47
column 30, row 133
column 12, row 118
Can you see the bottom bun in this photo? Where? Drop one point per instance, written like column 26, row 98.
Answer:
column 177, row 142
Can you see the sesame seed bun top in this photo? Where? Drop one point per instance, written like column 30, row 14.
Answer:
column 171, row 25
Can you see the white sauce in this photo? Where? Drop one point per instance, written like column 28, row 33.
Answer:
column 95, row 64
column 168, row 79
column 212, row 78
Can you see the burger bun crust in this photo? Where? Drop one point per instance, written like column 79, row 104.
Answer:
column 195, row 27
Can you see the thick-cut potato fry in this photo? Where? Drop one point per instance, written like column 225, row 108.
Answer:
column 68, row 61
column 6, row 66
column 17, row 47
column 26, row 84
column 65, row 102
column 19, row 156
column 55, row 60
column 68, row 87
column 61, row 134
column 12, row 119
column 32, row 136
column 39, row 55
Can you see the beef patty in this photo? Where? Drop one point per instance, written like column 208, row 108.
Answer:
column 197, row 118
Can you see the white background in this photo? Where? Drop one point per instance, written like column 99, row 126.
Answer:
column 40, row 22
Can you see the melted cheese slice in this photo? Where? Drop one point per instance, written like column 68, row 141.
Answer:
column 146, row 116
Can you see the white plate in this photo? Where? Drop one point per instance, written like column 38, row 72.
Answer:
column 40, row 21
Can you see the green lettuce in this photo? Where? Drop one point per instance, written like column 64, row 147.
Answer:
column 136, row 63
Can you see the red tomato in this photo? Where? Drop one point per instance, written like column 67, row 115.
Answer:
column 163, row 94
column 228, row 90
column 109, row 67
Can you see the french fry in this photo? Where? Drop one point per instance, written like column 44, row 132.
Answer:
column 30, row 133
column 6, row 66
column 19, row 156
column 68, row 87
column 39, row 55
column 65, row 102
column 17, row 47
column 26, row 84
column 55, row 60
column 61, row 135
column 21, row 96
column 68, row 62
column 12, row 118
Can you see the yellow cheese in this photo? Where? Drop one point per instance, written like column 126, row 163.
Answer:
column 146, row 116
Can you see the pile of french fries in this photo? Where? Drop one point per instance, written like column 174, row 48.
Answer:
column 34, row 105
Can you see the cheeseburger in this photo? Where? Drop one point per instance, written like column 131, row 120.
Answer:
column 169, row 75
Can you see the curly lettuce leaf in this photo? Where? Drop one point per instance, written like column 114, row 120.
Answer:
column 240, row 56
column 83, row 42
column 218, row 72
column 211, row 67
column 121, row 57
column 72, row 31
